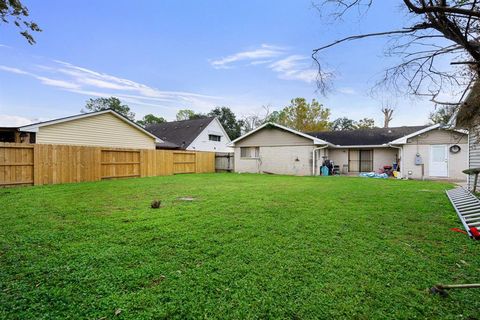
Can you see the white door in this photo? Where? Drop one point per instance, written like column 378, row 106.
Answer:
column 438, row 161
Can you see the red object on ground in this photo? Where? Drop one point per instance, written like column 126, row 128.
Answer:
column 459, row 230
column 475, row 233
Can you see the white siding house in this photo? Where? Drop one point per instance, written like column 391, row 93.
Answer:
column 202, row 134
column 212, row 138
column 474, row 154
column 104, row 128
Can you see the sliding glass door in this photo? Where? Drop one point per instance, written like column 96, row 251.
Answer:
column 360, row 160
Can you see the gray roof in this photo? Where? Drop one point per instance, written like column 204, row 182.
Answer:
column 365, row 137
column 179, row 133
column 167, row 145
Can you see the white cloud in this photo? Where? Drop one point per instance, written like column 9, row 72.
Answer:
column 255, row 56
column 57, row 83
column 294, row 67
column 275, row 58
column 12, row 70
column 13, row 121
column 45, row 80
column 88, row 82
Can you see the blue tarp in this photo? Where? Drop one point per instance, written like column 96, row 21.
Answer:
column 374, row 175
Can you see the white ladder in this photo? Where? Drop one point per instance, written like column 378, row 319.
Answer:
column 467, row 207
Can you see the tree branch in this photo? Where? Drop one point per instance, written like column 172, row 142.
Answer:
column 440, row 9
column 375, row 34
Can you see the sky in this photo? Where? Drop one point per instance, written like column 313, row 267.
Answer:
column 162, row 56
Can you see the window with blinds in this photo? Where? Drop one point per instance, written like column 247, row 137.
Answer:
column 250, row 152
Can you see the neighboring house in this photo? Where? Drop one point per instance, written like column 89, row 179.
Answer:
column 204, row 134
column 103, row 128
column 420, row 152
column 468, row 117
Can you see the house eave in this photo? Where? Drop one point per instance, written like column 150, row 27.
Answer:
column 35, row 127
column 315, row 141
column 364, row 146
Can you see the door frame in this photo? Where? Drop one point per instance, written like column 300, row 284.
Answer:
column 431, row 160
column 359, row 157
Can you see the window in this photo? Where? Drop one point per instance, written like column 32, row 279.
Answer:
column 360, row 160
column 214, row 137
column 250, row 152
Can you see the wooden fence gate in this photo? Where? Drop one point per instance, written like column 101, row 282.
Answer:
column 184, row 162
column 24, row 164
column 16, row 165
column 120, row 163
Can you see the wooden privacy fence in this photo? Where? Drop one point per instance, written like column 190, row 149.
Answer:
column 37, row 164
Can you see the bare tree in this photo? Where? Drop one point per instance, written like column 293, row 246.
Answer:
column 387, row 116
column 438, row 30
column 255, row 119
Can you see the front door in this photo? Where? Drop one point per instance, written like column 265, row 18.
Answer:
column 438, row 161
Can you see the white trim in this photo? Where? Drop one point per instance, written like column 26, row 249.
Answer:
column 206, row 127
column 35, row 127
column 399, row 163
column 403, row 140
column 314, row 152
column 362, row 146
column 315, row 140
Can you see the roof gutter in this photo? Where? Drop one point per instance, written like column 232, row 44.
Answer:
column 361, row 146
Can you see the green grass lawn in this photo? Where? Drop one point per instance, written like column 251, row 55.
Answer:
column 249, row 246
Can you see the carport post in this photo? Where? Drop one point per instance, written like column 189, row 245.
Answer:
column 313, row 157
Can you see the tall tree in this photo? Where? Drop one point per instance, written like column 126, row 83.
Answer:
column 365, row 123
column 150, row 119
column 349, row 124
column 341, row 124
column 14, row 11
column 304, row 116
column 442, row 115
column 188, row 114
column 436, row 31
column 228, row 120
column 113, row 103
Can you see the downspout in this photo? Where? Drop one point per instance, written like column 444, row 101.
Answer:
column 313, row 157
column 401, row 158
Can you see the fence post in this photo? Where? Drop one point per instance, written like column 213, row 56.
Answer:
column 142, row 167
column 36, row 165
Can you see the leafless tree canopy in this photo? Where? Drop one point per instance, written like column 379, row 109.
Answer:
column 438, row 51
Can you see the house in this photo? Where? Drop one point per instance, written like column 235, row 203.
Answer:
column 105, row 128
column 468, row 117
column 420, row 152
column 203, row 134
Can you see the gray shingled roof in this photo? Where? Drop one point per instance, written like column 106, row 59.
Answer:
column 180, row 133
column 359, row 137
